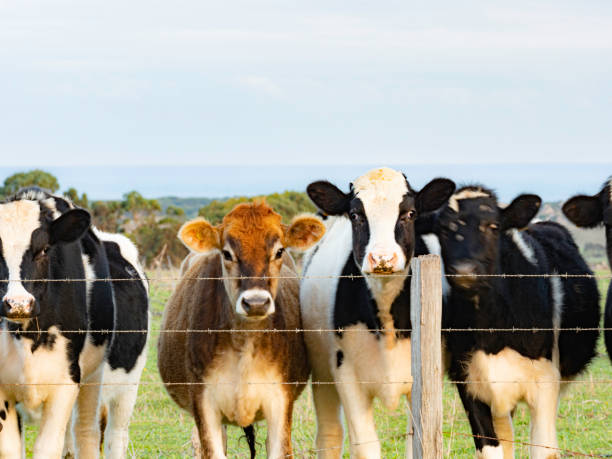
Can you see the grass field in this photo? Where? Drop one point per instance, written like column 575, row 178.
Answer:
column 159, row 429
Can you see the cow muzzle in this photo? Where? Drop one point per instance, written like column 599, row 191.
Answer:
column 255, row 304
column 19, row 307
column 383, row 263
column 465, row 274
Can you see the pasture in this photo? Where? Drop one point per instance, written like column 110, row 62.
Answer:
column 159, row 429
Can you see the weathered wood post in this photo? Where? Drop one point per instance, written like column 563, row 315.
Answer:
column 426, row 317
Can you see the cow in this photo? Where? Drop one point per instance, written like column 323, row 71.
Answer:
column 356, row 282
column 43, row 356
column 238, row 284
column 481, row 242
column 127, row 355
column 588, row 212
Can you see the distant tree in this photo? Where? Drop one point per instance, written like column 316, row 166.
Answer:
column 288, row 204
column 73, row 195
column 35, row 177
column 158, row 243
column 175, row 211
column 107, row 215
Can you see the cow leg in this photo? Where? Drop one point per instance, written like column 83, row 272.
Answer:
column 278, row 418
column 86, row 423
column 56, row 415
column 504, row 431
column 543, row 422
column 329, row 425
column 208, row 422
column 10, row 435
column 357, row 404
column 481, row 422
column 69, row 446
column 120, row 412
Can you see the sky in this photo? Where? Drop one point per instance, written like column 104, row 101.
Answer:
column 193, row 82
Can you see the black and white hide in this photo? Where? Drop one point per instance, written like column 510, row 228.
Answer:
column 589, row 212
column 370, row 234
column 42, row 360
column 496, row 370
column 126, row 357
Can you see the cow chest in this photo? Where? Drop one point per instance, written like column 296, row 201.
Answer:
column 25, row 372
column 379, row 364
column 243, row 386
column 502, row 380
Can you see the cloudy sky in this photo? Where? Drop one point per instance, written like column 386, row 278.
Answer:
column 317, row 82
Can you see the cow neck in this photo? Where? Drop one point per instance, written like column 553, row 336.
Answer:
column 355, row 303
column 385, row 291
column 228, row 320
column 503, row 303
column 609, row 244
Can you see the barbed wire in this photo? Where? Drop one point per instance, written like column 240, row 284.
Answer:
column 300, row 277
column 483, row 437
column 305, row 330
column 301, row 383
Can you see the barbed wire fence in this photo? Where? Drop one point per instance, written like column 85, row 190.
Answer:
column 392, row 427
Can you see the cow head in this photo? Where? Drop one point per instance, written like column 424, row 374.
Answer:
column 251, row 240
column 469, row 228
column 382, row 208
column 589, row 211
column 29, row 237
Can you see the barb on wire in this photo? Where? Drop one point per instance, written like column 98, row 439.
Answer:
column 300, row 277
column 315, row 383
column 314, row 451
column 311, row 330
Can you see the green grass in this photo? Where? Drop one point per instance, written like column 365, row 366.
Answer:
column 159, row 429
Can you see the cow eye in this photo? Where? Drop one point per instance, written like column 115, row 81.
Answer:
column 42, row 253
column 227, row 255
column 279, row 253
column 409, row 215
column 355, row 216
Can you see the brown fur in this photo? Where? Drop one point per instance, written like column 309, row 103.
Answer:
column 204, row 304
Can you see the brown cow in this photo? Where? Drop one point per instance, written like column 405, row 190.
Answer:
column 237, row 378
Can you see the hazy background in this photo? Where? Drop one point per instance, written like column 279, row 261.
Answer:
column 553, row 181
column 315, row 83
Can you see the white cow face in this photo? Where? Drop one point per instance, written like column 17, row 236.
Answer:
column 382, row 208
column 28, row 237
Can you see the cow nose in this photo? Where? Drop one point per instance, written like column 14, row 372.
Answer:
column 382, row 262
column 466, row 272
column 18, row 307
column 255, row 304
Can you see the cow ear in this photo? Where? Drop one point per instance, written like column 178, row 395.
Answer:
column 520, row 211
column 199, row 235
column 304, row 232
column 584, row 211
column 433, row 195
column 327, row 197
column 69, row 227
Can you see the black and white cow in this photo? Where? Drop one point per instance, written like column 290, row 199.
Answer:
column 370, row 234
column 496, row 370
column 127, row 354
column 37, row 345
column 95, row 306
column 588, row 212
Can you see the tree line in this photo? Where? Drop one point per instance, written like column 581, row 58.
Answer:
column 152, row 228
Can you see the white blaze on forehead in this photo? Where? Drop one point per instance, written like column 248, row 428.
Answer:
column 453, row 202
column 381, row 191
column 18, row 220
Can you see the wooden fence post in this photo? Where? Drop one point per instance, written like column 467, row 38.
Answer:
column 426, row 316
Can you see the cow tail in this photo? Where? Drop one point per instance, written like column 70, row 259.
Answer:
column 249, row 433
